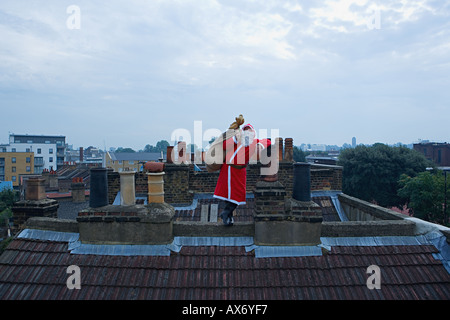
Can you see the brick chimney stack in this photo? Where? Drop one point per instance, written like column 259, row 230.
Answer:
column 35, row 189
column 35, row 204
column 78, row 190
column 283, row 222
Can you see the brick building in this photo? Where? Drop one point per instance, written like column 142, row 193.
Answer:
column 439, row 153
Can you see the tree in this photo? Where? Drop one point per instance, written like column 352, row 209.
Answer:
column 372, row 173
column 160, row 146
column 299, row 155
column 7, row 199
column 121, row 149
column 425, row 195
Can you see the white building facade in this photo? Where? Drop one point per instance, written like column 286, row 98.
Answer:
column 49, row 151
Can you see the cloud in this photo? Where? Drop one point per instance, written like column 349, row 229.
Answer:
column 181, row 59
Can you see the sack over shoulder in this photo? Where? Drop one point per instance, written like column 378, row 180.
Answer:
column 215, row 155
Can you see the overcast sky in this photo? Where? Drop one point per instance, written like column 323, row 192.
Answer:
column 129, row 73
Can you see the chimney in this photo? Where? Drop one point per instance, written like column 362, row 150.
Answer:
column 78, row 190
column 288, row 150
column 35, row 189
column 301, row 189
column 169, row 154
column 35, row 204
column 131, row 224
column 99, row 188
column 279, row 142
column 81, row 154
column 155, row 175
column 284, row 222
column 182, row 152
column 127, row 188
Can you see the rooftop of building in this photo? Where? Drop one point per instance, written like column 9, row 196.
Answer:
column 123, row 256
column 227, row 266
column 135, row 156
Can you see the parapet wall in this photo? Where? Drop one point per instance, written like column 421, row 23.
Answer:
column 181, row 181
column 360, row 210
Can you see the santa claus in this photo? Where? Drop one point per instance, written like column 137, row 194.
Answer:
column 231, row 185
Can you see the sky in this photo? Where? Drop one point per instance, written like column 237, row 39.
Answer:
column 131, row 73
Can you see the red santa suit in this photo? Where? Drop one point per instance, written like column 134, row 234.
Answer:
column 231, row 185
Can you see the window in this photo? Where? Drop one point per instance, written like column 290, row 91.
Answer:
column 13, row 159
column 28, row 169
column 27, row 150
column 13, row 149
column 50, row 151
column 130, row 162
column 50, row 159
column 28, row 160
column 39, row 150
column 14, row 178
column 13, row 169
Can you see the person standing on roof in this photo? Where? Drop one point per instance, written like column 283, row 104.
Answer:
column 232, row 181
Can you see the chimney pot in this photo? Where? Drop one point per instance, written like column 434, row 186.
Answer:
column 99, row 188
column 169, row 154
column 288, row 150
column 302, row 182
column 127, row 188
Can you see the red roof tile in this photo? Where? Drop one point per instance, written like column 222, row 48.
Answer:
column 33, row 269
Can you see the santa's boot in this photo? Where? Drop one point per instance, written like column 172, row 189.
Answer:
column 227, row 213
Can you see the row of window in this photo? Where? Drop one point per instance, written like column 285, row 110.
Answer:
column 120, row 161
column 39, row 150
column 28, row 169
column 28, row 159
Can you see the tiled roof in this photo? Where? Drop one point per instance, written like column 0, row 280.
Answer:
column 36, row 269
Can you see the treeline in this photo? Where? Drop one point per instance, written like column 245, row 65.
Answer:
column 160, row 146
column 395, row 177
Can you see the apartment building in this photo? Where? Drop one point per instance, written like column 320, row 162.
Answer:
column 49, row 151
column 15, row 164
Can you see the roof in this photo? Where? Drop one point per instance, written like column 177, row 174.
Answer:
column 34, row 268
column 34, row 265
column 135, row 156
